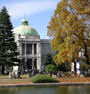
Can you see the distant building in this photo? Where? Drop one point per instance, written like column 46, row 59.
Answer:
column 32, row 49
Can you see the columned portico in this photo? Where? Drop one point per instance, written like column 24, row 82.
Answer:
column 30, row 52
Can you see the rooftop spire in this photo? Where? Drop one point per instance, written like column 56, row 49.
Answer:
column 24, row 21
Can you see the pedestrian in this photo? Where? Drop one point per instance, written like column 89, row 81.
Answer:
column 19, row 73
column 10, row 75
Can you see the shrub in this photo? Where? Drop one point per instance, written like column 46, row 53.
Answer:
column 64, row 67
column 43, row 79
column 50, row 68
column 83, row 67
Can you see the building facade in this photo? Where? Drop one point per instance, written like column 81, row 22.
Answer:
column 31, row 48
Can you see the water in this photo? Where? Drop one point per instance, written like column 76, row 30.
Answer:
column 47, row 90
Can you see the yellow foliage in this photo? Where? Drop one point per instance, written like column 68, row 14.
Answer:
column 67, row 28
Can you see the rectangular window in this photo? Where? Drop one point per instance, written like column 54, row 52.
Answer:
column 29, row 49
column 35, row 49
column 23, row 48
column 35, row 63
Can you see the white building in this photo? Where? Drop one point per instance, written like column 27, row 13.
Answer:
column 32, row 49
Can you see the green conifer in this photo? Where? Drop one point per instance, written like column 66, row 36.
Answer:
column 8, row 48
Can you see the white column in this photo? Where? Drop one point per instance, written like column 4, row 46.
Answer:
column 39, row 49
column 20, row 48
column 39, row 64
column 32, row 49
column 39, row 56
column 25, row 52
column 32, row 63
column 25, row 48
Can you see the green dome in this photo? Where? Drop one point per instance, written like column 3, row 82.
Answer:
column 25, row 29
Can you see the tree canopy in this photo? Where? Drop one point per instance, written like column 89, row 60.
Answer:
column 8, row 48
column 68, row 29
column 48, row 59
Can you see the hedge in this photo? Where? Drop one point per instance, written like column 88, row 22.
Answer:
column 43, row 78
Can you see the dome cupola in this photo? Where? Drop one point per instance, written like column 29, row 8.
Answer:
column 24, row 21
column 25, row 29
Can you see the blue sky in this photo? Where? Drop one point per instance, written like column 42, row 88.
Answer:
column 37, row 12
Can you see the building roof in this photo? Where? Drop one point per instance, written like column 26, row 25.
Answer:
column 25, row 29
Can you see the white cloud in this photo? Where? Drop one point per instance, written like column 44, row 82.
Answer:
column 29, row 8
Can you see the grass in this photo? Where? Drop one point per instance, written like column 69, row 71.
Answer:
column 7, row 76
column 3, row 76
column 4, row 79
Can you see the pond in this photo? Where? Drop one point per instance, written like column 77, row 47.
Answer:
column 47, row 90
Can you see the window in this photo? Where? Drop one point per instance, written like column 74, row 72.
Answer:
column 35, row 64
column 35, row 49
column 29, row 49
column 23, row 48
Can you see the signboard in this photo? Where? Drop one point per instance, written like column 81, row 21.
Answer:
column 72, row 67
column 78, row 68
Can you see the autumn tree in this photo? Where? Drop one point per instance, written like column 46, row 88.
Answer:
column 68, row 29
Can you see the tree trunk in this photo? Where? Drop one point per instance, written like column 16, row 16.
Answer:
column 3, row 68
